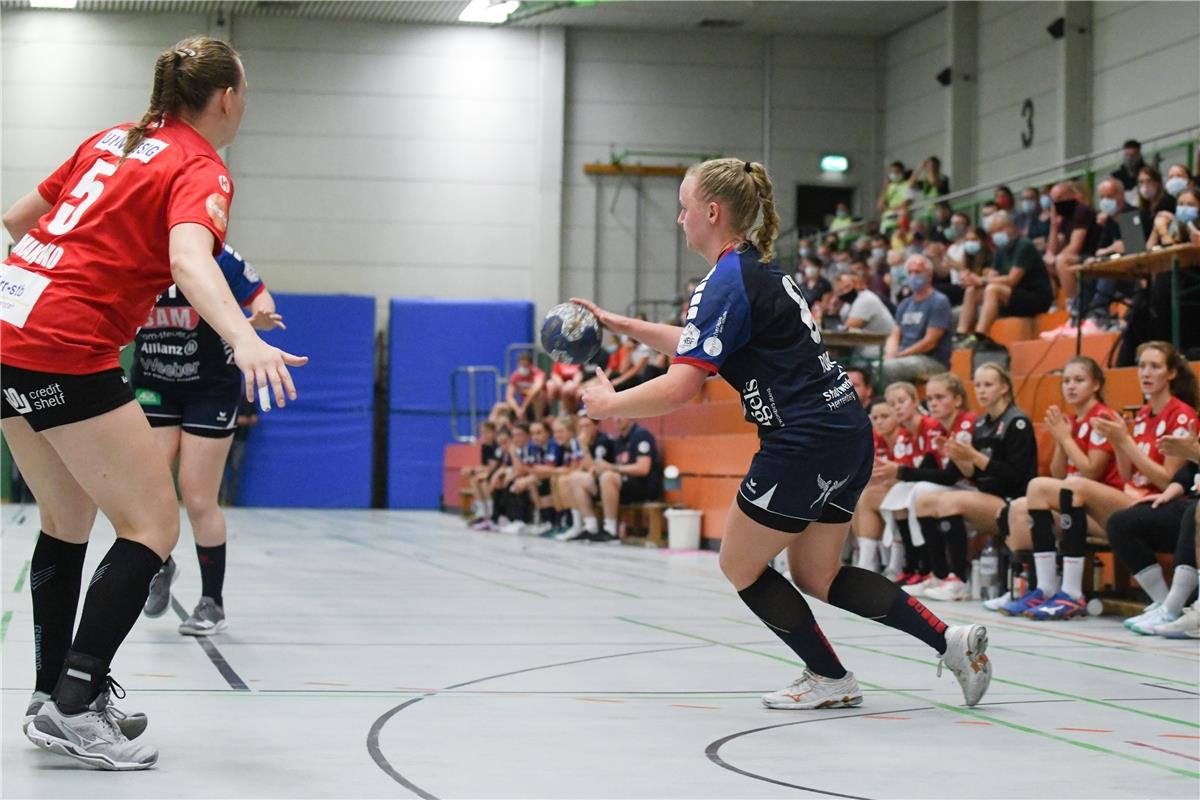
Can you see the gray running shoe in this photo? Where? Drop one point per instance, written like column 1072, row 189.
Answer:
column 93, row 737
column 132, row 725
column 160, row 589
column 207, row 619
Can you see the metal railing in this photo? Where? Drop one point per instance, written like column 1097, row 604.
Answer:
column 473, row 411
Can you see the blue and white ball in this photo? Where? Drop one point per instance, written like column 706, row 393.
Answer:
column 571, row 334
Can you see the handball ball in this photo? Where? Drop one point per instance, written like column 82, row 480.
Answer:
column 571, row 334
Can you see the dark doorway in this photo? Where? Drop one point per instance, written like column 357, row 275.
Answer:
column 816, row 202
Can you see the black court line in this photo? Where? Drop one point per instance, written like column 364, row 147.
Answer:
column 214, row 655
column 377, row 728
column 1172, row 689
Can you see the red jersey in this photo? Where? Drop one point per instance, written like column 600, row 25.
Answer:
column 76, row 287
column 883, row 450
column 523, row 384
column 1089, row 439
column 931, row 433
column 1173, row 419
column 566, row 372
column 904, row 448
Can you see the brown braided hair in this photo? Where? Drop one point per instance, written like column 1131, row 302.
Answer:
column 745, row 189
column 185, row 77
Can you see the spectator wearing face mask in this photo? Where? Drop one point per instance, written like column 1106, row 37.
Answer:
column 892, row 197
column 1030, row 221
column 843, row 225
column 1152, row 197
column 860, row 309
column 1179, row 227
column 941, row 222
column 986, row 210
column 1074, row 235
column 1127, row 173
column 526, row 389
column 1098, row 295
column 1015, row 285
column 813, row 285
column 1179, row 177
column 919, row 345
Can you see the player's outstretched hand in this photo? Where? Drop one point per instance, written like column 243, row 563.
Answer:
column 598, row 395
column 614, row 322
column 265, row 368
column 267, row 321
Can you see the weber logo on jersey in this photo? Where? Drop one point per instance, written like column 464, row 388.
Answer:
column 114, row 142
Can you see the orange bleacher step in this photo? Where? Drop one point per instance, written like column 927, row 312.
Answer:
column 1040, row 356
column 1013, row 329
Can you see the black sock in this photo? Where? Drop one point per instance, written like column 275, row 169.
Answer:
column 956, row 545
column 1074, row 525
column 83, row 677
column 55, row 574
column 913, row 555
column 869, row 595
column 1041, row 530
column 114, row 602
column 546, row 515
column 212, row 572
column 935, row 545
column 777, row 603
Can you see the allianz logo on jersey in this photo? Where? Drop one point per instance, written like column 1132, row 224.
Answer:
column 761, row 407
column 114, row 142
column 184, row 317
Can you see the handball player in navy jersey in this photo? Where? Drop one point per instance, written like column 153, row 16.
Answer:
column 748, row 322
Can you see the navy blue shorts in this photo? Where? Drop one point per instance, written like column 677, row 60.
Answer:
column 790, row 485
column 213, row 416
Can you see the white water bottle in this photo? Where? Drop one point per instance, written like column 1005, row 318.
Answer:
column 989, row 572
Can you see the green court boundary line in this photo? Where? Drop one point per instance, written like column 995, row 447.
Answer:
column 20, row 584
column 963, row 711
column 7, row 618
column 1006, row 681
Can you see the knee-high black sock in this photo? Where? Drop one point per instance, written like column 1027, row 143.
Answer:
column 114, row 602
column 869, row 595
column 212, row 572
column 956, row 545
column 1041, row 530
column 1074, row 525
column 935, row 545
column 777, row 603
column 55, row 573
column 914, row 556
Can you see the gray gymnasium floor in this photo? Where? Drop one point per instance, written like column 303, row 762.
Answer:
column 395, row 654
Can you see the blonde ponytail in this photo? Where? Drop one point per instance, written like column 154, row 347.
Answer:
column 745, row 189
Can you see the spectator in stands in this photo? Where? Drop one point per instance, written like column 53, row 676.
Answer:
column 1074, row 235
column 526, row 389
column 804, row 250
column 860, row 309
column 986, row 210
column 1179, row 177
column 637, row 476
column 1152, row 197
column 843, row 225
column 564, row 386
column 1000, row 460
column 1179, row 227
column 942, row 212
column 1170, row 387
column 1127, row 173
column 893, row 197
column 1078, row 450
column 476, row 477
column 812, row 281
column 1028, row 218
column 640, row 362
column 1016, row 285
column 973, row 255
column 1098, row 295
column 919, row 345
column 928, row 180
column 1003, row 199
column 860, row 376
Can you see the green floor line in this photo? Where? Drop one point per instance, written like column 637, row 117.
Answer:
column 1006, row 681
column 20, row 584
column 963, row 711
column 4, row 624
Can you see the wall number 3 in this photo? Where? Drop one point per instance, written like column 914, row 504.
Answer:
column 1027, row 115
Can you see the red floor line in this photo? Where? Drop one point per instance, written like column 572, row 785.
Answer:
column 598, row 700
column 685, row 705
column 1161, row 750
column 1084, row 730
column 1178, row 736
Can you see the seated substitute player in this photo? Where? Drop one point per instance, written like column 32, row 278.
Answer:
column 189, row 388
column 748, row 322
column 594, row 446
column 476, row 476
column 635, row 476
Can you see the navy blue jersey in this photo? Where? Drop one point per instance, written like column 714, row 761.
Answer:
column 602, row 448
column 175, row 348
column 489, row 453
column 638, row 442
column 748, row 322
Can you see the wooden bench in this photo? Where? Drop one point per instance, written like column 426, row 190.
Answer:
column 643, row 524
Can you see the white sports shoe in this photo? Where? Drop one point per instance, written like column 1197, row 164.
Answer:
column 132, row 725
column 1147, row 623
column 953, row 588
column 1186, row 627
column 1150, row 609
column 997, row 602
column 814, row 691
column 965, row 657
column 920, row 589
column 93, row 737
column 515, row 528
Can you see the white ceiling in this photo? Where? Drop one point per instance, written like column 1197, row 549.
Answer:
column 844, row 17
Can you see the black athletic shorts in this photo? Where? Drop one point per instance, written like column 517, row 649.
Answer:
column 1025, row 303
column 47, row 399
column 790, row 484
column 212, row 415
column 639, row 489
column 544, row 488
